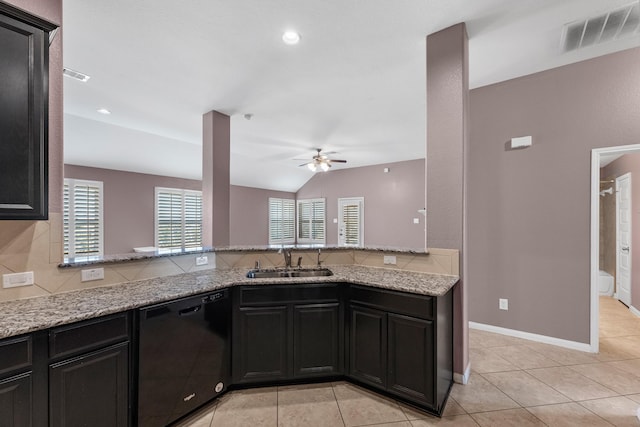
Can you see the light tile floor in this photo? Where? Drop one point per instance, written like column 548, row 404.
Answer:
column 514, row 382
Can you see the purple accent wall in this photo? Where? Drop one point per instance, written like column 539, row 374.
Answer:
column 391, row 201
column 617, row 168
column 249, row 219
column 447, row 114
column 216, row 143
column 528, row 210
column 51, row 10
column 129, row 204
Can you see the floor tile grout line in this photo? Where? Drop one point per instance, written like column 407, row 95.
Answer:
column 337, row 404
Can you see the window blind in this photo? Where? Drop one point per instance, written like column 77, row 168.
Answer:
column 282, row 221
column 311, row 221
column 351, row 221
column 178, row 218
column 82, row 218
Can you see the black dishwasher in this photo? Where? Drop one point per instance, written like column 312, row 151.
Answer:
column 183, row 356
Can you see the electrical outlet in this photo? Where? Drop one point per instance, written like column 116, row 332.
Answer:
column 13, row 280
column 389, row 259
column 92, row 274
column 504, row 304
column 416, row 220
column 202, row 260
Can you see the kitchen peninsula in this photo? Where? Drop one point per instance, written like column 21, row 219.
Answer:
column 403, row 318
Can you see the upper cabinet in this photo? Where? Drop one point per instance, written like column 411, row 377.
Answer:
column 24, row 81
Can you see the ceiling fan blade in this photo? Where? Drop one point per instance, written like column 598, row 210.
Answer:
column 336, row 161
column 304, row 164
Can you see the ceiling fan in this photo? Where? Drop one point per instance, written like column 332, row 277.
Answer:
column 320, row 160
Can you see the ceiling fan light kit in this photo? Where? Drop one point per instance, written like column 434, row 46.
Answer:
column 321, row 161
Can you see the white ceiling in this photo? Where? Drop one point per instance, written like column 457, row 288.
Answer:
column 355, row 84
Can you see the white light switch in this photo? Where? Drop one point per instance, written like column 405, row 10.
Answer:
column 416, row 220
column 13, row 280
column 335, row 220
column 504, row 304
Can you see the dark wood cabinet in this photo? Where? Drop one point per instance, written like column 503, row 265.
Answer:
column 89, row 376
column 287, row 332
column 91, row 390
column 261, row 352
column 15, row 401
column 402, row 344
column 368, row 345
column 316, row 340
column 24, row 67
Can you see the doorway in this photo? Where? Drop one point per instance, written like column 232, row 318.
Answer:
column 598, row 155
column 623, row 239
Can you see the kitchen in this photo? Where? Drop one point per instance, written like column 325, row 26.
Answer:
column 489, row 261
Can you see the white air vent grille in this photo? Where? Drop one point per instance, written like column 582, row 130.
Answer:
column 75, row 74
column 616, row 24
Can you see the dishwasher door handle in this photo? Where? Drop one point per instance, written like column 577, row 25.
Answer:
column 190, row 310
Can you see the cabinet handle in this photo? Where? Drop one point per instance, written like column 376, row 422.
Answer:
column 190, row 310
column 188, row 398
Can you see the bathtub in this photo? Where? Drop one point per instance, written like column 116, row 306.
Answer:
column 605, row 283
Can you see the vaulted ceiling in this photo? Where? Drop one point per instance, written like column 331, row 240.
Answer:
column 355, row 84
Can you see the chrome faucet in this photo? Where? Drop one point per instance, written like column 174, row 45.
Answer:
column 287, row 258
column 319, row 262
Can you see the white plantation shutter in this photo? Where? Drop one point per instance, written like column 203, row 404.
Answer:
column 178, row 218
column 282, row 221
column 350, row 229
column 82, row 218
column 311, row 221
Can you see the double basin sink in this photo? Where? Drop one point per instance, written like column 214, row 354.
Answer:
column 274, row 273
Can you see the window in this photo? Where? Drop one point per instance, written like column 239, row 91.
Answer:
column 351, row 221
column 311, row 221
column 178, row 219
column 82, row 218
column 282, row 221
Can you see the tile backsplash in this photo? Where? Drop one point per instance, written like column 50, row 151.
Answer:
column 36, row 246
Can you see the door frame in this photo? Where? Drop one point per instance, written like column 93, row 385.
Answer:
column 617, row 185
column 360, row 201
column 596, row 153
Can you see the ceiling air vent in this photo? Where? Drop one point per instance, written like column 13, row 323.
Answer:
column 75, row 74
column 615, row 24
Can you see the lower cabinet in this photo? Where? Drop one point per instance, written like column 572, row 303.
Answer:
column 397, row 345
column 286, row 332
column 15, row 400
column 91, row 390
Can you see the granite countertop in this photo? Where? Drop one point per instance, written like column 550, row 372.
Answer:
column 28, row 315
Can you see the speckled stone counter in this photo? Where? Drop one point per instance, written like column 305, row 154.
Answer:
column 28, row 315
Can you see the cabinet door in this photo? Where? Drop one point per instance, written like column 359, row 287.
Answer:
column 368, row 345
column 316, row 342
column 15, row 401
column 411, row 358
column 260, row 344
column 90, row 390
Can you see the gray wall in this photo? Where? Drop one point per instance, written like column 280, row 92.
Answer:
column 249, row 214
column 129, row 204
column 528, row 210
column 391, row 201
column 627, row 163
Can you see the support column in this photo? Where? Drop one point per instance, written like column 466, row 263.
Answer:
column 216, row 136
column 447, row 112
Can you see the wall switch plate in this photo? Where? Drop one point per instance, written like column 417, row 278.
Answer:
column 92, row 274
column 335, row 220
column 416, row 220
column 389, row 259
column 202, row 260
column 13, row 280
column 504, row 304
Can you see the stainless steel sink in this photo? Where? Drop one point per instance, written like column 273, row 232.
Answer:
column 291, row 272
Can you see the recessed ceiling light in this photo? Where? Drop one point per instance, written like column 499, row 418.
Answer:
column 77, row 75
column 291, row 37
column 103, row 111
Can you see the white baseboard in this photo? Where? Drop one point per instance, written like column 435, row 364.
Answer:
column 574, row 345
column 462, row 378
column 634, row 311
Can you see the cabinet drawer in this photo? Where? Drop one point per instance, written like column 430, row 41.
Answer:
column 397, row 302
column 277, row 294
column 88, row 335
column 15, row 353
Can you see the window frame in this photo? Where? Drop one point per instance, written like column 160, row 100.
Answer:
column 281, row 229
column 183, row 193
column 70, row 225
column 311, row 240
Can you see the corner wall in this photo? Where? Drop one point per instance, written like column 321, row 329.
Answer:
column 528, row 210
